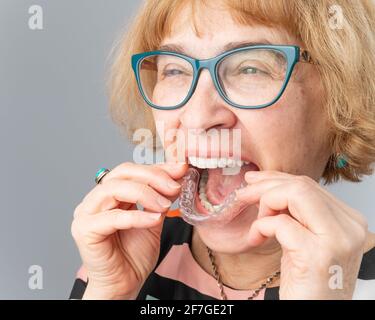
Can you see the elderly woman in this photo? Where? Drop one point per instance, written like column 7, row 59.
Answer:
column 297, row 80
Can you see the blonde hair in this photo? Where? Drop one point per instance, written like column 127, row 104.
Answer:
column 345, row 57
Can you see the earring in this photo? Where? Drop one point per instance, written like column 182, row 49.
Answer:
column 341, row 161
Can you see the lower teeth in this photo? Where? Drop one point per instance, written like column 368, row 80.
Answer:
column 203, row 197
column 187, row 200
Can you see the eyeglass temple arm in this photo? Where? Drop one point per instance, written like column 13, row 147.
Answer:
column 149, row 65
column 305, row 57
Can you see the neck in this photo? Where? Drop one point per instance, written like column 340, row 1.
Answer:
column 243, row 271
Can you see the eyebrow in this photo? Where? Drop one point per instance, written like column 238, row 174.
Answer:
column 229, row 46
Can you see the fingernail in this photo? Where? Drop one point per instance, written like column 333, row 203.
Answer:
column 154, row 216
column 173, row 184
column 164, row 202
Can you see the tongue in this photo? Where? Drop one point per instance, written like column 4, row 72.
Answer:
column 220, row 184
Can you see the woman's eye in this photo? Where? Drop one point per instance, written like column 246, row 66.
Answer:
column 172, row 72
column 252, row 70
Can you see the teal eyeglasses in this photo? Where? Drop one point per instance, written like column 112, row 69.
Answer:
column 251, row 77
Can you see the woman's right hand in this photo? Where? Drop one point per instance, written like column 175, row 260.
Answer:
column 119, row 245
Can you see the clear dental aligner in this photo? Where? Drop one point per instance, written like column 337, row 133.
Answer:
column 187, row 203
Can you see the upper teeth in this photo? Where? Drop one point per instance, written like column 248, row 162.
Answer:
column 212, row 163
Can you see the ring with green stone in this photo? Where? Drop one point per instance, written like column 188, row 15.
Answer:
column 100, row 174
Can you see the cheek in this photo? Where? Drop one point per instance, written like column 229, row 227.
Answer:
column 166, row 123
column 298, row 114
column 163, row 97
column 287, row 132
column 302, row 116
column 167, row 119
column 282, row 122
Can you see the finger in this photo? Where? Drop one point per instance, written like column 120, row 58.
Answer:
column 155, row 176
column 109, row 195
column 98, row 227
column 289, row 233
column 174, row 170
column 252, row 192
column 252, row 177
column 303, row 202
column 311, row 207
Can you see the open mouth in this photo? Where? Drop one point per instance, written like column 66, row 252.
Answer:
column 208, row 192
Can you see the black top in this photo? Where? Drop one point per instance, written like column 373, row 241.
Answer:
column 178, row 276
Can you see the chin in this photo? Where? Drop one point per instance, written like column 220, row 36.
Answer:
column 231, row 238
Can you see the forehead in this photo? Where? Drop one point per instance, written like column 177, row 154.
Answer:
column 207, row 30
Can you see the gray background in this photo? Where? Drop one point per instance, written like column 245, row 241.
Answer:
column 55, row 133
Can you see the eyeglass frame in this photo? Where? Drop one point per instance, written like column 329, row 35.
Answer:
column 292, row 53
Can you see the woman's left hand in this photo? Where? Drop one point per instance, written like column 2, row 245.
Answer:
column 322, row 238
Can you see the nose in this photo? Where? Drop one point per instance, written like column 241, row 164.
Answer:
column 206, row 109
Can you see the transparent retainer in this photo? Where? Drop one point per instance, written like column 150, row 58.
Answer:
column 227, row 211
